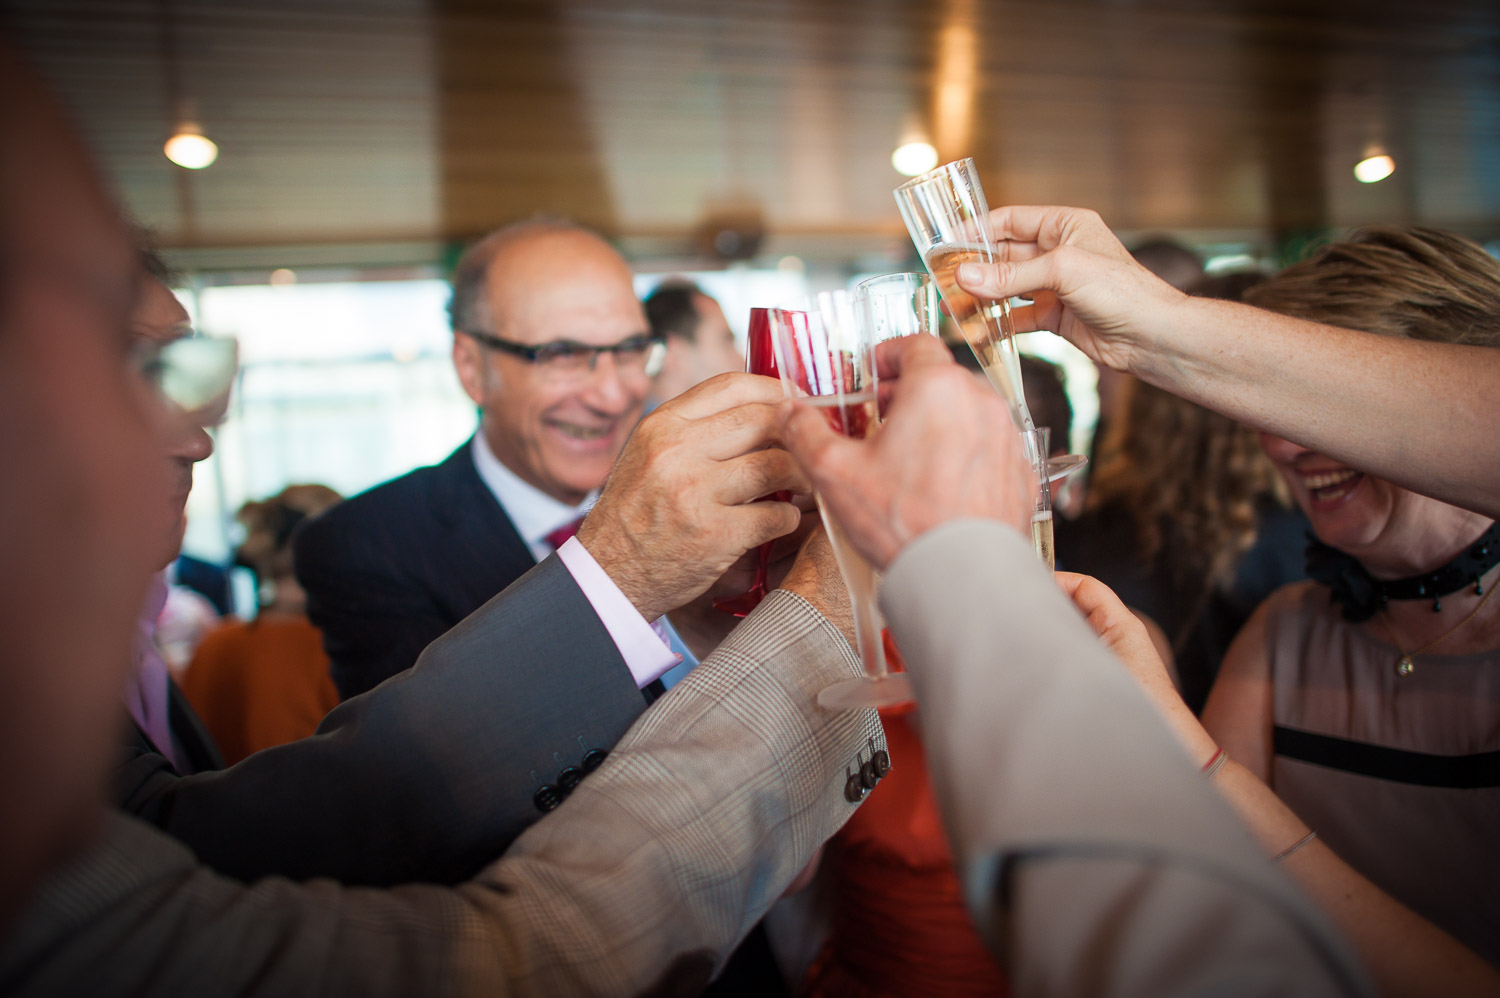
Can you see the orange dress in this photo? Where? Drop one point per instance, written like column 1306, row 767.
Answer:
column 260, row 683
column 899, row 926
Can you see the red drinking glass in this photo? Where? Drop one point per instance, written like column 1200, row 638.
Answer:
column 760, row 358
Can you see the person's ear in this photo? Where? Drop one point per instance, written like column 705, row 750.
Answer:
column 468, row 361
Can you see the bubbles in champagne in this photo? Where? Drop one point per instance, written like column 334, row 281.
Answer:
column 1041, row 538
column 985, row 325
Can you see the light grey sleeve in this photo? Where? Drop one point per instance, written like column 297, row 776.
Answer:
column 1095, row 859
column 644, row 880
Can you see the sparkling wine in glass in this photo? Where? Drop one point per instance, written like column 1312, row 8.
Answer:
column 949, row 221
column 827, row 358
column 1035, row 441
column 760, row 358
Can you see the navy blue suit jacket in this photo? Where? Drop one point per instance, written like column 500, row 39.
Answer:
column 393, row 569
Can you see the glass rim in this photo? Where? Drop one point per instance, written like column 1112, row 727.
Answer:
column 937, row 171
column 922, row 277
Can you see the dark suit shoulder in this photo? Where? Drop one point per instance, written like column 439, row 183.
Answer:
column 390, row 511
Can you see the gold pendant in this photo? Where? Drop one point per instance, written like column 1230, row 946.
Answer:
column 1405, row 666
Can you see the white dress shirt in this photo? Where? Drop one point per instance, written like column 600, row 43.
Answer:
column 645, row 647
column 533, row 512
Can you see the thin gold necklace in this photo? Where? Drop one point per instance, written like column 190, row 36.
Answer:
column 1404, row 665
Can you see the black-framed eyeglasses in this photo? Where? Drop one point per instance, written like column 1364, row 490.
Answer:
column 567, row 358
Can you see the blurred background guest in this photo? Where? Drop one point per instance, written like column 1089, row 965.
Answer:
column 1369, row 696
column 1179, row 267
column 700, row 343
column 265, row 681
column 1187, row 521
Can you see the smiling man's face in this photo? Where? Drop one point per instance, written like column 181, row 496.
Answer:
column 561, row 434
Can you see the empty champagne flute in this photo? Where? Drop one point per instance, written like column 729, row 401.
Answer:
column 760, row 358
column 828, row 358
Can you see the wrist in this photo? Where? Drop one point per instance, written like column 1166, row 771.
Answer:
column 1170, row 340
column 616, row 559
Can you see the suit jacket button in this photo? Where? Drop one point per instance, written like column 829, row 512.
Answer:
column 867, row 775
column 882, row 764
column 568, row 778
column 854, row 789
column 592, row 758
column 547, row 798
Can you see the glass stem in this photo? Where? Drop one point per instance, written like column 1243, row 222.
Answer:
column 867, row 628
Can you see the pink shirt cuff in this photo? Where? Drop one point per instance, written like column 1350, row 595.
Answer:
column 642, row 645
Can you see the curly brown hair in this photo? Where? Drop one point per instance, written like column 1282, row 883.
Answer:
column 270, row 523
column 1168, row 461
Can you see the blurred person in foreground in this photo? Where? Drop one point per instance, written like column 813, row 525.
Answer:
column 595, row 899
column 1368, row 697
column 164, row 722
column 1186, row 521
column 1085, row 803
column 699, row 342
column 553, row 347
column 265, row 681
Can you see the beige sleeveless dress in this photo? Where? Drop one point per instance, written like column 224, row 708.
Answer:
column 1399, row 775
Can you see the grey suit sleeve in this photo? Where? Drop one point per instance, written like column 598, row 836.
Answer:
column 643, row 881
column 1095, row 859
column 427, row 776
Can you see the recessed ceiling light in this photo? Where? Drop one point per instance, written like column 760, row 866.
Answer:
column 1373, row 169
column 191, row 149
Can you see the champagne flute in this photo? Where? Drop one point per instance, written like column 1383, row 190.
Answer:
column 949, row 221
column 899, row 305
column 760, row 358
column 889, row 306
column 827, row 358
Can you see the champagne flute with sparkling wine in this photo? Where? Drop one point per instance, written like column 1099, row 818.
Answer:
column 949, row 220
column 760, row 358
column 828, row 359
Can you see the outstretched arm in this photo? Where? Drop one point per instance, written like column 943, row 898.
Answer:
column 1419, row 414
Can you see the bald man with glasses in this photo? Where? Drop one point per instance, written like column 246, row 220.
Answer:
column 554, row 349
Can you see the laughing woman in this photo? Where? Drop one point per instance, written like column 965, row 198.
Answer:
column 1369, row 698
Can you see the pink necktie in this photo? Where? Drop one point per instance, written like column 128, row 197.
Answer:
column 560, row 536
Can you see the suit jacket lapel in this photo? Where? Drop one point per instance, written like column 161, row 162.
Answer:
column 199, row 751
column 484, row 552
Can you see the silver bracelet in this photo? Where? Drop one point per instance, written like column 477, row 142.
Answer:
column 1304, row 840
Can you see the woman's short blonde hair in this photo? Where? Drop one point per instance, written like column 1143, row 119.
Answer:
column 1407, row 281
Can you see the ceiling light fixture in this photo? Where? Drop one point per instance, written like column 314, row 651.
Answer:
column 190, row 148
column 1375, row 167
column 912, row 159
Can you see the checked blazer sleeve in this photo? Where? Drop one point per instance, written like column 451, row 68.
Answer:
column 642, row 882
